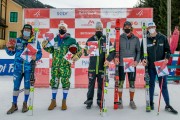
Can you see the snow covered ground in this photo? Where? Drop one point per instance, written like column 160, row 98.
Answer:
column 76, row 108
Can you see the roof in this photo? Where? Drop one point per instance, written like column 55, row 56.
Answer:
column 21, row 4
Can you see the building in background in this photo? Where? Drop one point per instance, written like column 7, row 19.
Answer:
column 11, row 16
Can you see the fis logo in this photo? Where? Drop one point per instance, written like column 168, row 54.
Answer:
column 37, row 14
column 140, row 13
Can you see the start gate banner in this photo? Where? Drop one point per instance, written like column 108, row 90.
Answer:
column 81, row 25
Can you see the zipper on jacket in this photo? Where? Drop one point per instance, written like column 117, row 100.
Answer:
column 97, row 63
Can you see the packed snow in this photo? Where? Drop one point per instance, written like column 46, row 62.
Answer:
column 77, row 110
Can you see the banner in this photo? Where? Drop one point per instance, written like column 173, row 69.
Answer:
column 6, row 66
column 81, row 26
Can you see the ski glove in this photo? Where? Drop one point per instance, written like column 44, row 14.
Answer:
column 77, row 56
column 44, row 43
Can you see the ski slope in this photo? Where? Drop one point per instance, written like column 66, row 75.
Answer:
column 77, row 110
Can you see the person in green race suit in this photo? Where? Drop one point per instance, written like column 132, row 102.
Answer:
column 61, row 68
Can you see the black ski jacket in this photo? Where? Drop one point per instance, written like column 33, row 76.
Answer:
column 96, row 63
column 157, row 49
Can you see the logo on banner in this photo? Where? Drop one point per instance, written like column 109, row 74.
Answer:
column 31, row 23
column 87, row 33
column 85, row 62
column 37, row 14
column 39, row 62
column 90, row 23
column 114, row 13
column 62, row 13
column 6, row 67
column 135, row 23
column 140, row 13
column 87, row 12
column 82, row 43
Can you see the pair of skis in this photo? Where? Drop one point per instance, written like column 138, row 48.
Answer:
column 103, row 107
column 33, row 64
column 146, row 76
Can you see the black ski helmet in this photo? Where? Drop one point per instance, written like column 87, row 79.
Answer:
column 27, row 26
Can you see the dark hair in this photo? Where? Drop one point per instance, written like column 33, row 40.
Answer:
column 129, row 24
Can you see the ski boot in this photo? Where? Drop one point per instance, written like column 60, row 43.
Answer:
column 25, row 107
column 64, row 106
column 99, row 103
column 88, row 103
column 13, row 108
column 120, row 104
column 170, row 109
column 132, row 105
column 52, row 105
column 152, row 105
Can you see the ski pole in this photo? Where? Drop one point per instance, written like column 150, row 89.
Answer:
column 160, row 96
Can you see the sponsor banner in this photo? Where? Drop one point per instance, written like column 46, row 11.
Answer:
column 62, row 13
column 112, row 20
column 42, row 63
column 54, row 22
column 72, row 78
column 137, row 22
column 43, row 23
column 82, row 63
column 81, row 25
column 139, row 13
column 113, row 13
column 42, row 77
column 6, row 66
column 137, row 32
column 42, row 32
column 84, row 33
column 87, row 13
column 81, row 78
column 45, row 54
column 82, row 42
column 86, row 23
column 36, row 13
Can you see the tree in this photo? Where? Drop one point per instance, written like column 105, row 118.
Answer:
column 160, row 13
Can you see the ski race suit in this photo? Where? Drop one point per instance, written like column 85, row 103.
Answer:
column 96, row 68
column 129, row 47
column 157, row 49
column 22, row 68
column 61, row 68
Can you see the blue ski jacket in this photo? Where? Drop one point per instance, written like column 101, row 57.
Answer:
column 21, row 65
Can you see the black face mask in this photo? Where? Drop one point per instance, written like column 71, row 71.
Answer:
column 99, row 34
column 127, row 31
column 62, row 32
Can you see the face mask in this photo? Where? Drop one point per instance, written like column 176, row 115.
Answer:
column 152, row 30
column 62, row 32
column 127, row 31
column 26, row 34
column 99, row 34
